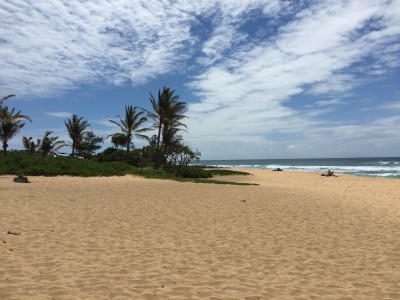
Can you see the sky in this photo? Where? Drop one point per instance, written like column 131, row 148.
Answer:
column 261, row 78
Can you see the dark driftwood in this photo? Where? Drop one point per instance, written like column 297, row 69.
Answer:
column 21, row 179
column 13, row 232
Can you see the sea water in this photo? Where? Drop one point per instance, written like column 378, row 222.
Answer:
column 373, row 167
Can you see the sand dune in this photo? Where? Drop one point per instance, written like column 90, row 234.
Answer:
column 295, row 236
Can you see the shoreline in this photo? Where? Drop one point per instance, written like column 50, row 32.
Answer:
column 296, row 235
column 367, row 166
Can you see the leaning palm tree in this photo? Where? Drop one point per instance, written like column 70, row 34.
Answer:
column 11, row 123
column 30, row 145
column 50, row 144
column 130, row 125
column 76, row 127
column 167, row 109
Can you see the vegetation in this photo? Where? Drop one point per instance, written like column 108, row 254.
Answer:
column 224, row 172
column 29, row 145
column 11, row 122
column 114, row 154
column 5, row 98
column 90, row 143
column 47, row 145
column 180, row 156
column 119, row 140
column 130, row 126
column 50, row 144
column 17, row 163
column 166, row 156
column 76, row 127
column 167, row 116
column 37, row 165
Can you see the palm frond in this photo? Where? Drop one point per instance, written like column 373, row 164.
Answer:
column 5, row 98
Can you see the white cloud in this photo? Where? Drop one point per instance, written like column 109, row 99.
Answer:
column 50, row 46
column 329, row 102
column 247, row 85
column 392, row 106
column 59, row 114
column 249, row 93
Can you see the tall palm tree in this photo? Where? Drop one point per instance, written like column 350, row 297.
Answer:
column 167, row 110
column 130, row 125
column 76, row 127
column 50, row 144
column 10, row 124
column 30, row 145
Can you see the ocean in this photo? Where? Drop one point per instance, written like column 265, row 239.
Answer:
column 373, row 167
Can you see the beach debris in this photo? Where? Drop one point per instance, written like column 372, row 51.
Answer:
column 243, row 200
column 277, row 169
column 11, row 249
column 4, row 242
column 14, row 232
column 21, row 179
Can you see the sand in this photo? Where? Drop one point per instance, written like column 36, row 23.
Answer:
column 295, row 236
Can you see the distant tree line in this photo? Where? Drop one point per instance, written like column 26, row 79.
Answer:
column 165, row 149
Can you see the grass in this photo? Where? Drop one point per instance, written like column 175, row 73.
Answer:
column 224, row 172
column 222, row 182
column 21, row 163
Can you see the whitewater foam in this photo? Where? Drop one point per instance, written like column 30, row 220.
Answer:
column 375, row 167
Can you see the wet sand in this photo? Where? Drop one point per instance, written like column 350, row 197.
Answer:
column 295, row 236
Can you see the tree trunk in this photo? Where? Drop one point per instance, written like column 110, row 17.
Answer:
column 5, row 145
column 127, row 149
column 158, row 156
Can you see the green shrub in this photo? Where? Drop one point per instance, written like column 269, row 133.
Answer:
column 26, row 164
column 36, row 165
column 189, row 172
column 112, row 154
column 225, row 172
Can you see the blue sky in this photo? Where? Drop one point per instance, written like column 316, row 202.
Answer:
column 276, row 79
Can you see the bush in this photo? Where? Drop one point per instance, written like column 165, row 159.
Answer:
column 36, row 165
column 112, row 154
column 189, row 172
column 26, row 164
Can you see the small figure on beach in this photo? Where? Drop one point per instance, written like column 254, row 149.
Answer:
column 277, row 169
column 329, row 173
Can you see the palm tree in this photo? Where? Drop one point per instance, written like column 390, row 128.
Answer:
column 30, row 145
column 10, row 124
column 50, row 144
column 130, row 125
column 5, row 98
column 170, row 137
column 167, row 110
column 90, row 143
column 76, row 127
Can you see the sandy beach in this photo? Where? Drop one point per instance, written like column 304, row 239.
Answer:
column 294, row 236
